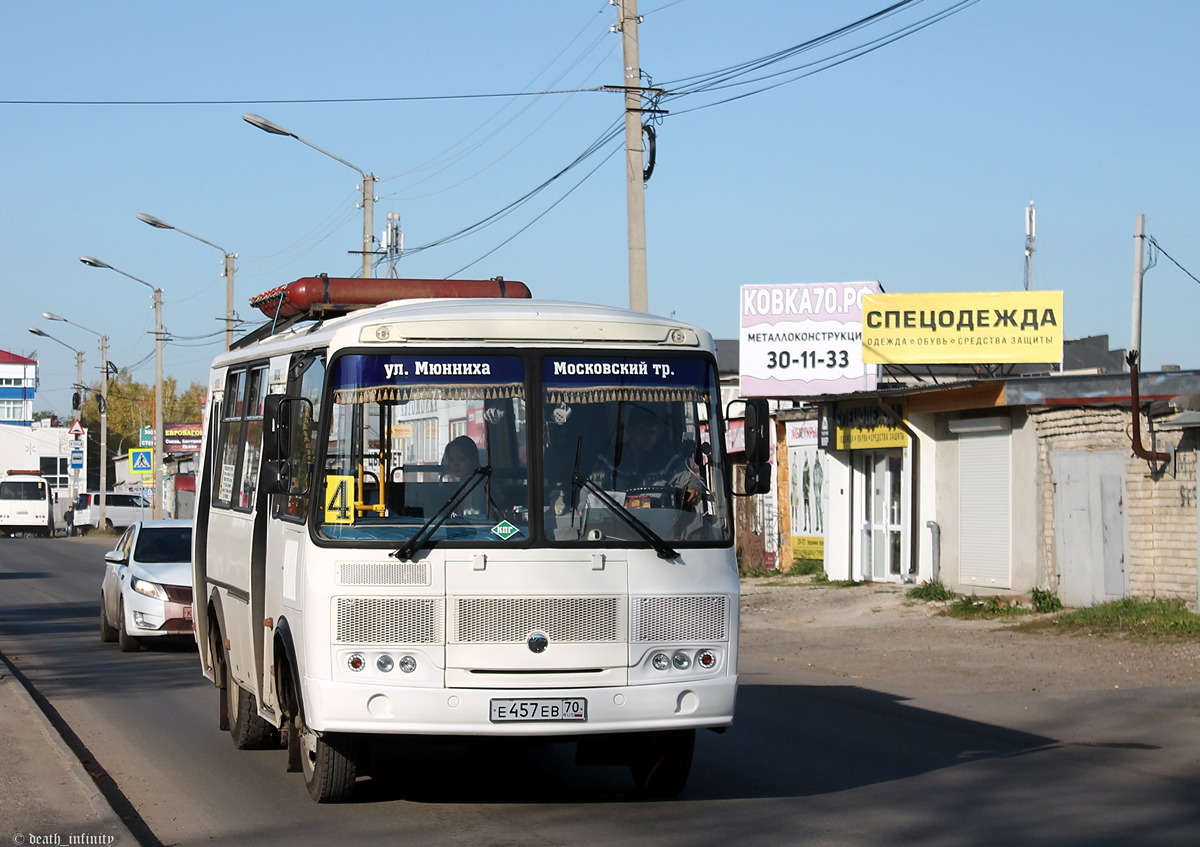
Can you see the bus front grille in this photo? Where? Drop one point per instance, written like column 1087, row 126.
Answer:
column 688, row 618
column 383, row 573
column 510, row 620
column 388, row 620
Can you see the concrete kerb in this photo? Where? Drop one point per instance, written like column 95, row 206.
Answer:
column 49, row 797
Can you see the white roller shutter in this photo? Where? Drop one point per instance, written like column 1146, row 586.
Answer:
column 985, row 530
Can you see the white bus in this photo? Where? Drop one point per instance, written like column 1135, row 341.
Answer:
column 353, row 581
column 26, row 504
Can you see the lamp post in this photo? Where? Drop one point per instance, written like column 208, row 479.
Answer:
column 156, row 505
column 368, row 185
column 229, row 269
column 78, row 388
column 100, row 518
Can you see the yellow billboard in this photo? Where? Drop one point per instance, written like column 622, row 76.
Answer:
column 995, row 327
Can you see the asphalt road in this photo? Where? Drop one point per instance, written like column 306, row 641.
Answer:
column 811, row 760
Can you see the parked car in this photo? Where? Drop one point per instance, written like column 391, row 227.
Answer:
column 120, row 510
column 147, row 587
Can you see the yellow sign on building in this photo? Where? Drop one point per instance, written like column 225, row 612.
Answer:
column 868, row 426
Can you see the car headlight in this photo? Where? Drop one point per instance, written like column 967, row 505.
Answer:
column 150, row 589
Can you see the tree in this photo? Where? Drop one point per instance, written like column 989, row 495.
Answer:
column 131, row 407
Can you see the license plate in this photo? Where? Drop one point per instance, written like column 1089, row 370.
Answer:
column 515, row 711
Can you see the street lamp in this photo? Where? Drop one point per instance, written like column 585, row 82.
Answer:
column 78, row 388
column 229, row 269
column 100, row 520
column 368, row 185
column 156, row 506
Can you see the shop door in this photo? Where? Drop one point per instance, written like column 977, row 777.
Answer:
column 881, row 507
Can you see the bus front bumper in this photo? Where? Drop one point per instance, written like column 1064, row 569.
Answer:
column 365, row 708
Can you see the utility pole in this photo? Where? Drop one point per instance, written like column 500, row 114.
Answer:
column 103, row 430
column 635, row 191
column 1139, row 270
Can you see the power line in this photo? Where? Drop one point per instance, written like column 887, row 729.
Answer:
column 1158, row 247
column 307, row 100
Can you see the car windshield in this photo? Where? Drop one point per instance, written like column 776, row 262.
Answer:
column 430, row 445
column 160, row 544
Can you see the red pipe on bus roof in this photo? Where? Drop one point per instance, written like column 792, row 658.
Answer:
column 304, row 294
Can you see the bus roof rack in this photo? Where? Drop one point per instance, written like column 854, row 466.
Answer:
column 318, row 298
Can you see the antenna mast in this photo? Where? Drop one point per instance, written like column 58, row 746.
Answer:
column 1030, row 237
column 393, row 242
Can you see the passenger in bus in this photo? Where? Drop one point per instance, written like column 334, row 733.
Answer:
column 645, row 460
column 459, row 460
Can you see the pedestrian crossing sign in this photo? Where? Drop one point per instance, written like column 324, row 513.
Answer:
column 141, row 460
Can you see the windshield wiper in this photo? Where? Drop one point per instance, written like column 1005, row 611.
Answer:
column 427, row 529
column 664, row 550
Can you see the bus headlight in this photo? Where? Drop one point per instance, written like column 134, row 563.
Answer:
column 681, row 660
column 661, row 661
column 407, row 664
column 385, row 663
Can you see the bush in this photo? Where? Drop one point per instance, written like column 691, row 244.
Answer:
column 1045, row 601
column 804, row 567
column 984, row 607
column 933, row 591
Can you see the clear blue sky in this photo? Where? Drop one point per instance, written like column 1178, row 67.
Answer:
column 911, row 164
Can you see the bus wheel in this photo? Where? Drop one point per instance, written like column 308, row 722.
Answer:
column 329, row 763
column 662, row 762
column 248, row 730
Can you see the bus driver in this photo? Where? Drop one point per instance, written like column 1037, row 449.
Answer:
column 645, row 459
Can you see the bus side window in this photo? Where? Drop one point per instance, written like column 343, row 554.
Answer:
column 230, row 436
column 307, row 379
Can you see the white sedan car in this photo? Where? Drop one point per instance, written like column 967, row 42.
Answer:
column 147, row 587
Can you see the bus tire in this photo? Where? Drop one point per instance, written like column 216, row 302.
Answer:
column 329, row 762
column 108, row 632
column 662, row 762
column 126, row 642
column 247, row 728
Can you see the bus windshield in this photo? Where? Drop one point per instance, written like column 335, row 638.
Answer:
column 628, row 448
column 612, row 450
column 430, row 444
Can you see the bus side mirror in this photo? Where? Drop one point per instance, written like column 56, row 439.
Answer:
column 758, row 437
column 276, row 429
column 756, row 430
column 275, row 476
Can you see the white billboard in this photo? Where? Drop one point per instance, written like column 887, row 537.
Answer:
column 804, row 339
